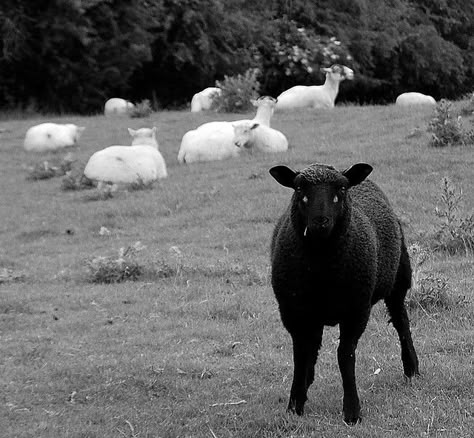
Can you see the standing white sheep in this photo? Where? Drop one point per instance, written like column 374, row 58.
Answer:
column 141, row 162
column 203, row 100
column 215, row 140
column 414, row 98
column 117, row 107
column 52, row 136
column 252, row 135
column 316, row 96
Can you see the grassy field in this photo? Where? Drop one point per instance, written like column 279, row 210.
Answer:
column 195, row 347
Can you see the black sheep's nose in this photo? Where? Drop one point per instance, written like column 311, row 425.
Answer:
column 321, row 222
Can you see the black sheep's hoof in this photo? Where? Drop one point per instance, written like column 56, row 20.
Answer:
column 295, row 408
column 409, row 380
column 352, row 421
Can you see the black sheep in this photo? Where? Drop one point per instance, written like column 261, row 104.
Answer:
column 335, row 252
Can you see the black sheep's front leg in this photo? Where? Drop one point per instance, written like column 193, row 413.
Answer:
column 306, row 344
column 349, row 337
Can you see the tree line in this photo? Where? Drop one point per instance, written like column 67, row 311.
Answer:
column 71, row 55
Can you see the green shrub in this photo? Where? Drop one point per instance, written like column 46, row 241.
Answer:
column 237, row 92
column 141, row 109
column 446, row 128
column 456, row 232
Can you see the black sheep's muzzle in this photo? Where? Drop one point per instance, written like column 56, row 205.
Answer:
column 318, row 228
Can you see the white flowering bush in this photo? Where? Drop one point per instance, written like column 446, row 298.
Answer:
column 297, row 56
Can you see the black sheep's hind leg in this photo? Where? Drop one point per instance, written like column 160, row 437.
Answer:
column 399, row 316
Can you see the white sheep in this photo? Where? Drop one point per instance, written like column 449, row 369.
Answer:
column 252, row 135
column 203, row 100
column 414, row 98
column 52, row 136
column 141, row 162
column 316, row 96
column 117, row 107
column 215, row 140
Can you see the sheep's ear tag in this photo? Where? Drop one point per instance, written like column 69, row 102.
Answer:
column 357, row 173
column 284, row 175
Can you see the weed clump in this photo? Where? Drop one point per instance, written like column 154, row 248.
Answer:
column 10, row 276
column 74, row 181
column 101, row 194
column 446, row 129
column 237, row 92
column 50, row 169
column 456, row 232
column 113, row 269
column 139, row 184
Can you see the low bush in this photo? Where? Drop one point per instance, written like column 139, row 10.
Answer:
column 430, row 289
column 141, row 109
column 237, row 92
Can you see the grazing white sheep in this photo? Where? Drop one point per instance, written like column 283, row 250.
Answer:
column 316, row 96
column 414, row 98
column 141, row 162
column 52, row 136
column 203, row 100
column 252, row 135
column 215, row 140
column 117, row 107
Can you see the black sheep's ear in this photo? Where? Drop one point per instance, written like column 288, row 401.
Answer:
column 284, row 175
column 357, row 173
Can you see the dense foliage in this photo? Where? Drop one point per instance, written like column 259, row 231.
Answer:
column 70, row 55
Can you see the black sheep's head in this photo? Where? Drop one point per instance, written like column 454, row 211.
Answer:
column 320, row 204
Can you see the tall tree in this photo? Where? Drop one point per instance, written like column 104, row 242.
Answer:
column 68, row 55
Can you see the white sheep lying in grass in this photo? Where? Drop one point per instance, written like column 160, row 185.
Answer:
column 141, row 162
column 117, row 107
column 315, row 96
column 252, row 135
column 52, row 136
column 414, row 98
column 203, row 100
column 215, row 140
